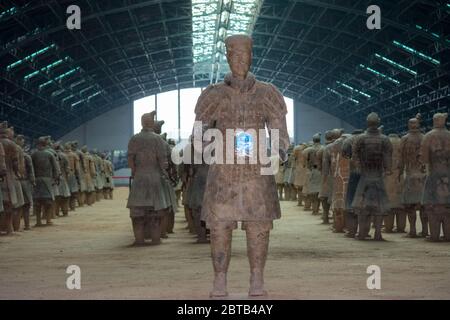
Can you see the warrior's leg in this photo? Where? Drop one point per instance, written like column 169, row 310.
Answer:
column 221, row 254
column 164, row 224
column 338, row 220
column 17, row 216
column 378, row 224
column 315, row 203
column 307, row 198
column 201, row 230
column 446, row 223
column 155, row 229
column 280, row 191
column 257, row 248
column 300, row 196
column 326, row 211
column 363, row 225
column 424, row 222
column 8, row 218
column 48, row 210
column 434, row 222
column 171, row 221
column 72, row 201
column 412, row 217
column 400, row 220
column 81, row 198
column 57, row 206
column 389, row 221
column 65, row 206
column 138, row 230
column 26, row 216
column 98, row 195
column 37, row 209
column 351, row 223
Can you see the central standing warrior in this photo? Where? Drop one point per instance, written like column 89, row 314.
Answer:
column 74, row 174
column 148, row 202
column 373, row 157
column 239, row 192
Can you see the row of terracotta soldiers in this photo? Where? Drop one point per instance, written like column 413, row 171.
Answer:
column 367, row 177
column 50, row 179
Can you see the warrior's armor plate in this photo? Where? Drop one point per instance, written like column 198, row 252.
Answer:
column 46, row 171
column 392, row 182
column 313, row 177
column 238, row 192
column 340, row 175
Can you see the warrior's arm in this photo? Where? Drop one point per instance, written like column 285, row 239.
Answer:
column 30, row 170
column 2, row 161
column 401, row 162
column 387, row 156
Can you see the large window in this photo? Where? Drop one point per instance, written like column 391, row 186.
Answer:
column 179, row 118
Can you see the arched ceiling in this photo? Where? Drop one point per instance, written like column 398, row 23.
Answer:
column 319, row 52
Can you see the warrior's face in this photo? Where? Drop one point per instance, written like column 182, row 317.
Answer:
column 413, row 124
column 439, row 120
column 239, row 57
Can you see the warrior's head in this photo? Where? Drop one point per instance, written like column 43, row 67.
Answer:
column 158, row 126
column 74, row 145
column 42, row 142
column 84, row 149
column 67, row 146
column 373, row 120
column 148, row 120
column 316, row 138
column 239, row 54
column 20, row 140
column 439, row 120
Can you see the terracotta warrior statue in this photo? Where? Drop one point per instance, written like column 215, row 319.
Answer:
column 340, row 175
column 373, row 157
column 73, row 175
column 20, row 172
column 9, row 192
column 435, row 155
column 27, row 181
column 148, row 202
column 168, row 220
column 46, row 170
column 289, row 174
column 300, row 172
column 412, row 175
column 239, row 192
column 82, row 194
column 56, row 186
column 351, row 219
column 313, row 179
column 89, row 175
column 186, row 178
column 326, row 187
column 99, row 179
column 63, row 199
column 108, row 186
column 394, row 189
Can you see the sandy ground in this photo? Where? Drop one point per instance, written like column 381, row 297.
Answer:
column 306, row 261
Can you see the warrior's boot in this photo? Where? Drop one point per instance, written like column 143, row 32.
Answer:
column 257, row 248
column 200, row 229
column 189, row 219
column 26, row 216
column 221, row 253
column 9, row 222
column 17, row 216
column 378, row 224
column 412, row 217
column 72, row 201
column 280, row 192
column 400, row 220
column 138, row 230
column 424, row 222
column 389, row 222
column 98, row 195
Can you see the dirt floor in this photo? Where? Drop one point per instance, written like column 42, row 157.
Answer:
column 306, row 261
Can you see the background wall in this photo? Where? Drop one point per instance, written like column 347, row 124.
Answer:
column 109, row 131
column 309, row 121
column 112, row 130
